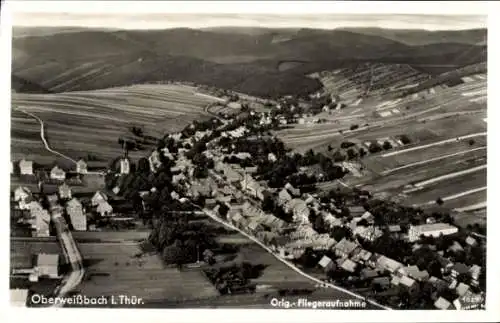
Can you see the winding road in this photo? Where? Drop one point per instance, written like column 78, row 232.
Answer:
column 71, row 253
column 42, row 136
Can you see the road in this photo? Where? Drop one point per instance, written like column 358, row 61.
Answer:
column 448, row 176
column 42, row 136
column 212, row 215
column 422, row 162
column 71, row 253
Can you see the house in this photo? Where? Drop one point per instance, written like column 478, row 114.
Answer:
column 414, row 272
column 369, row 273
column 78, row 218
column 383, row 282
column 368, row 217
column 48, row 265
column 294, row 191
column 361, row 256
column 356, row 210
column 345, row 248
column 349, row 265
column 459, row 269
column 42, row 222
column 439, row 284
column 456, row 247
column 271, row 157
column 253, row 187
column 104, row 209
column 462, row 289
column 21, row 193
column 124, row 166
column 300, row 212
column 154, row 161
column 26, row 167
column 368, row 233
column 57, row 173
column 98, row 198
column 395, row 230
column 471, row 241
column 81, row 167
column 408, row 283
column 19, row 297
column 446, row 264
column 430, row 230
column 284, row 197
column 385, row 263
column 475, row 272
column 64, row 191
column 326, row 263
column 442, row 304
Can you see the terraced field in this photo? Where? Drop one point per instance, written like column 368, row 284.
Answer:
column 81, row 123
column 447, row 130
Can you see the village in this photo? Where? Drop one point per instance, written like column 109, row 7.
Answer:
column 234, row 169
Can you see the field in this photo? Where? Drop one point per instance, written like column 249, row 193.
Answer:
column 82, row 123
column 447, row 132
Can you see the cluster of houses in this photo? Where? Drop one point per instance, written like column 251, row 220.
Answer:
column 56, row 173
column 32, row 212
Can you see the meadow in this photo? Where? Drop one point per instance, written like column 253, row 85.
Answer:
column 90, row 122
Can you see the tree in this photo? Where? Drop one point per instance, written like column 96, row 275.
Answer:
column 338, row 156
column 330, row 148
column 143, row 166
column 362, row 152
column 439, row 201
column 472, row 142
column 174, row 254
column 405, row 139
column 387, row 145
column 346, row 144
column 351, row 154
column 354, row 127
column 374, row 147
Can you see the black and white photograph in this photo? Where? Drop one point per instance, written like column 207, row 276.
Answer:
column 184, row 160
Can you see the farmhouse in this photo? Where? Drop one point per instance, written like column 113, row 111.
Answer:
column 104, row 209
column 349, row 265
column 75, row 211
column 81, row 167
column 57, row 173
column 471, row 241
column 26, row 167
column 462, row 289
column 430, row 230
column 64, row 191
column 388, row 264
column 98, row 198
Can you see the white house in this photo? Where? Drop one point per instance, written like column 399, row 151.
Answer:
column 124, row 166
column 104, row 209
column 430, row 230
column 21, row 193
column 64, row 191
column 26, row 167
column 75, row 211
column 81, row 167
column 57, row 173
column 48, row 265
column 98, row 198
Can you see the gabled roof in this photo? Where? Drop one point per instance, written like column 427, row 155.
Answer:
column 461, row 268
column 462, row 289
column 325, row 261
column 45, row 259
column 407, row 281
column 442, row 304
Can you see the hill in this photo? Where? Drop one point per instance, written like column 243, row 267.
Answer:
column 245, row 60
column 90, row 122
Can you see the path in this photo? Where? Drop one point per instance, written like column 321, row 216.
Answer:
column 434, row 144
column 448, row 176
column 430, row 160
column 300, row 272
column 44, row 140
column 71, row 253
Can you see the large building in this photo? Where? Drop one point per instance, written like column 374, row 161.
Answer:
column 430, row 230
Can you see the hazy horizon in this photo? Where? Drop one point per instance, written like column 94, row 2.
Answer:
column 271, row 21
